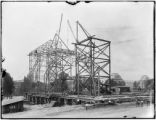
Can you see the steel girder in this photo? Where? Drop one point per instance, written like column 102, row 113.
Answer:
column 93, row 63
column 49, row 59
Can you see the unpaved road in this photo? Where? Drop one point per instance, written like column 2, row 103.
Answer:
column 112, row 112
column 77, row 111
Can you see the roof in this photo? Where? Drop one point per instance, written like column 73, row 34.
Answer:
column 18, row 80
column 13, row 100
column 120, row 86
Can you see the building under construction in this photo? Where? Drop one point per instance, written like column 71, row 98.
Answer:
column 88, row 67
column 90, row 62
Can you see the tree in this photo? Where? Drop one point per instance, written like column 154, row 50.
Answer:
column 8, row 85
column 29, row 86
column 63, row 77
column 26, row 86
column 115, row 82
column 135, row 85
column 149, row 84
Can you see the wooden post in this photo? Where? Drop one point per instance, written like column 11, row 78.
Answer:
column 98, row 82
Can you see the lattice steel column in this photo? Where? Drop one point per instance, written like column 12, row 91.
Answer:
column 92, row 62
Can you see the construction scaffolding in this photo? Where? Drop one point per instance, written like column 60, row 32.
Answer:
column 92, row 64
column 91, row 60
column 50, row 59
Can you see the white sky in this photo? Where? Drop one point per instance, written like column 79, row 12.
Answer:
column 128, row 25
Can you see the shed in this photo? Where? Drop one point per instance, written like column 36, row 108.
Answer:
column 120, row 89
column 12, row 105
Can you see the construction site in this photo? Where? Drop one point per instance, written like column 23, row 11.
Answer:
column 80, row 59
column 84, row 70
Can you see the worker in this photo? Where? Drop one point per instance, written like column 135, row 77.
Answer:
column 86, row 105
column 78, row 101
column 141, row 103
column 148, row 102
column 137, row 103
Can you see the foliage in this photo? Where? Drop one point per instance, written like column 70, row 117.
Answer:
column 8, row 85
column 60, row 84
column 148, row 84
column 3, row 71
column 114, row 82
column 55, row 85
column 63, row 77
column 26, row 85
column 135, row 85
column 29, row 86
column 38, row 86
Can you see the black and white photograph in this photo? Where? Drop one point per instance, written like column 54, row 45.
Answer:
column 77, row 59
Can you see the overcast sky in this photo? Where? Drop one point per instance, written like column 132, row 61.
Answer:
column 128, row 25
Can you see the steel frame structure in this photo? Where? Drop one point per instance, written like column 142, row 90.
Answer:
column 93, row 62
column 50, row 59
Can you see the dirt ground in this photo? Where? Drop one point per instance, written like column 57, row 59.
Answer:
column 127, row 110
